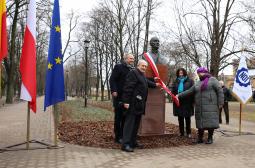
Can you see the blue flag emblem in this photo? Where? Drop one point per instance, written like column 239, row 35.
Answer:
column 242, row 77
column 55, row 89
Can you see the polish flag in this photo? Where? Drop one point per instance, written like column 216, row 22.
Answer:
column 154, row 68
column 28, row 59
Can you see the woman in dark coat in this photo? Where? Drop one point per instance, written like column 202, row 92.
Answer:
column 186, row 109
column 208, row 98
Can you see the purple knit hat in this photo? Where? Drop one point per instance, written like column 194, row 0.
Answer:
column 205, row 78
column 202, row 70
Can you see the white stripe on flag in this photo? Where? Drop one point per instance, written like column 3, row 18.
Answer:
column 24, row 94
column 152, row 61
column 31, row 18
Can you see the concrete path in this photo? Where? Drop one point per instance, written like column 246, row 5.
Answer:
column 227, row 151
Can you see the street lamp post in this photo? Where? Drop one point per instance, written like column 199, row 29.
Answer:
column 86, row 44
column 66, row 84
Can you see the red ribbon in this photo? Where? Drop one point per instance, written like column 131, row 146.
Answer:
column 162, row 84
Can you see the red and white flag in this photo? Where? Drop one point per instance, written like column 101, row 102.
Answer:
column 155, row 71
column 28, row 59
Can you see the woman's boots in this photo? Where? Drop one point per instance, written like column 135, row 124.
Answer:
column 201, row 135
column 210, row 136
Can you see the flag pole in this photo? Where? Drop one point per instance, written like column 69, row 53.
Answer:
column 28, row 141
column 0, row 80
column 28, row 126
column 240, row 119
column 54, row 86
column 55, row 114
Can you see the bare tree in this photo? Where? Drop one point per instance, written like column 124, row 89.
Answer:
column 114, row 28
column 209, row 43
column 16, row 11
column 73, row 20
column 43, row 23
column 147, row 25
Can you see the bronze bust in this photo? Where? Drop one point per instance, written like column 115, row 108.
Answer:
column 154, row 52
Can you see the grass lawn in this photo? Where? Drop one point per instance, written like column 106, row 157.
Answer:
column 245, row 116
column 74, row 110
column 248, row 111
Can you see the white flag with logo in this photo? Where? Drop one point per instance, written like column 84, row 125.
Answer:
column 242, row 85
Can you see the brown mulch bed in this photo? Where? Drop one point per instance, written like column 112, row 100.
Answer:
column 99, row 134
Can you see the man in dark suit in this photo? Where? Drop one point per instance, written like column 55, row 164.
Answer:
column 117, row 81
column 227, row 96
column 134, row 97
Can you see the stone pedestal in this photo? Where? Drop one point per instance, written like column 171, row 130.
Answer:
column 153, row 122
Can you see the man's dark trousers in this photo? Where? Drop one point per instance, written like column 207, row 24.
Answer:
column 119, row 119
column 131, row 126
column 226, row 110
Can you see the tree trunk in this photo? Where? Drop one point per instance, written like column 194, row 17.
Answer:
column 12, row 64
column 147, row 26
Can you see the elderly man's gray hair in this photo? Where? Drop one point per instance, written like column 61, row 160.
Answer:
column 126, row 55
column 140, row 61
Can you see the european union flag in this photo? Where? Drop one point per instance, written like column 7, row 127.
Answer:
column 54, row 89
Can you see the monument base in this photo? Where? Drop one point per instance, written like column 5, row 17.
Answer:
column 153, row 122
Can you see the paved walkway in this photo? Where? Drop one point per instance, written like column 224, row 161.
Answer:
column 227, row 151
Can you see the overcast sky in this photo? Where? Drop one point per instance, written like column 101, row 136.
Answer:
column 77, row 5
column 164, row 14
column 84, row 6
column 164, row 11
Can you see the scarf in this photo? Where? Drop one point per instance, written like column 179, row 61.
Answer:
column 130, row 67
column 204, row 80
column 181, row 84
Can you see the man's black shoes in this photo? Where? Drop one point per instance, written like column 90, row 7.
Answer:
column 138, row 146
column 209, row 141
column 198, row 141
column 127, row 148
column 118, row 141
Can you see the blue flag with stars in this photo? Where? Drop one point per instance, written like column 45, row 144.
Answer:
column 54, row 89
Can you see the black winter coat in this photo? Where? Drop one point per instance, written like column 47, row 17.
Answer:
column 227, row 94
column 118, row 78
column 186, row 108
column 135, row 91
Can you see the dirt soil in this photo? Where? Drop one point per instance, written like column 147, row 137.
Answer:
column 100, row 134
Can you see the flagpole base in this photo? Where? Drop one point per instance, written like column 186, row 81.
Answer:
column 45, row 146
column 229, row 133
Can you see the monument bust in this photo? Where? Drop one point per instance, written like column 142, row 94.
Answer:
column 153, row 122
column 154, row 52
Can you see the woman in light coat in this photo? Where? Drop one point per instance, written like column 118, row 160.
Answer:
column 208, row 98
